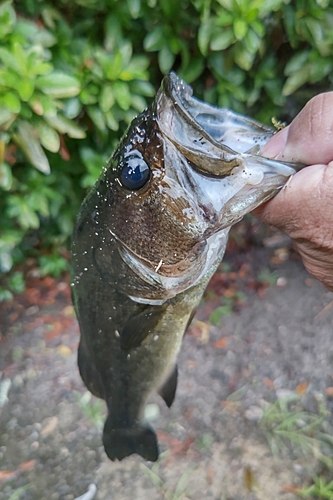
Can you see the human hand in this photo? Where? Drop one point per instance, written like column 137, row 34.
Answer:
column 303, row 209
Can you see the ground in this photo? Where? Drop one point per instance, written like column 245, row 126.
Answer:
column 255, row 375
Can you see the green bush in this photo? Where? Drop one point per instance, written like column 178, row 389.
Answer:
column 74, row 74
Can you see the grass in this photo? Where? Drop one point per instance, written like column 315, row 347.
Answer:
column 320, row 489
column 221, row 311
column 289, row 428
column 178, row 492
column 18, row 493
column 268, row 277
column 93, row 408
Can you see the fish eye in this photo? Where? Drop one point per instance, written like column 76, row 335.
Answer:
column 135, row 172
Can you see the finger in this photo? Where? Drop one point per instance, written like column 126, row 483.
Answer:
column 303, row 204
column 276, row 144
column 308, row 139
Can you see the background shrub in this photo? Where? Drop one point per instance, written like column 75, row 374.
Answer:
column 74, row 74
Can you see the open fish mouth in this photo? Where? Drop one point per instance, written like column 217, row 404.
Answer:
column 214, row 139
column 216, row 153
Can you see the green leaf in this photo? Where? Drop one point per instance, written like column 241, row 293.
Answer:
column 269, row 6
column 42, row 104
column 224, row 19
column 72, row 107
column 9, row 60
column 143, row 88
column 258, row 27
column 138, row 102
column 106, row 98
column 45, row 38
column 11, row 102
column 39, row 68
column 135, row 69
column 93, row 163
column 6, row 118
column 122, row 94
column 204, row 36
column 25, row 88
column 26, row 216
column 193, row 70
column 296, row 62
column 52, row 264
column 296, row 80
column 134, row 8
column 87, row 97
column 113, row 32
column 20, row 58
column 244, row 58
column 49, row 138
column 8, row 241
column 220, row 311
column 97, row 117
column 227, row 4
column 7, row 295
column 65, row 126
column 26, row 139
column 165, row 59
column 126, row 51
column 25, row 30
column 320, row 68
column 111, row 121
column 7, row 18
column 59, row 85
column 6, row 177
column 114, row 66
column 37, row 201
column 16, row 282
column 252, row 41
column 240, row 28
column 154, row 40
column 223, row 39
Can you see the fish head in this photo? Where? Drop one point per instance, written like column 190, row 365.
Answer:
column 174, row 187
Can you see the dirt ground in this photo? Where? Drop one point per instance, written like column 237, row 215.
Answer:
column 273, row 343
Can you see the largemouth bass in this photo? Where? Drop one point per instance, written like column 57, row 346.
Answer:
column 148, row 238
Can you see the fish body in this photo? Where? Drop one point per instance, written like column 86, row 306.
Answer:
column 148, row 238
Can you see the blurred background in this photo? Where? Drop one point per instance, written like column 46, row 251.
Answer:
column 73, row 74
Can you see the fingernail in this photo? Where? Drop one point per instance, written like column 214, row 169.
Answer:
column 275, row 146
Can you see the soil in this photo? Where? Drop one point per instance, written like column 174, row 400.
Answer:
column 272, row 341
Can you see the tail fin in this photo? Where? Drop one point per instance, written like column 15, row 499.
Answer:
column 122, row 442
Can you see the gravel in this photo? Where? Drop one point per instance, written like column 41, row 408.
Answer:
column 210, row 438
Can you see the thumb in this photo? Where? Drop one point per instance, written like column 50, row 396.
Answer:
column 308, row 139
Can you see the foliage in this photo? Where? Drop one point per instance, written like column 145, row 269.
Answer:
column 221, row 311
column 320, row 489
column 93, row 408
column 289, row 427
column 73, row 75
column 178, row 492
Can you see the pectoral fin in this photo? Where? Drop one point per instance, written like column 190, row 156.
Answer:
column 168, row 389
column 137, row 329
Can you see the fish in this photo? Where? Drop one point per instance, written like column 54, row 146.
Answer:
column 148, row 237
